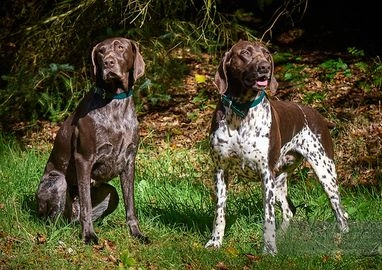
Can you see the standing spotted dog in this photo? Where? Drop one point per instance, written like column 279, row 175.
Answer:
column 251, row 134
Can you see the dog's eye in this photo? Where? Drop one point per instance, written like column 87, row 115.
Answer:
column 245, row 53
column 120, row 48
column 266, row 52
column 101, row 50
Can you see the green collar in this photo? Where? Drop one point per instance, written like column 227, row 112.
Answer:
column 241, row 109
column 107, row 95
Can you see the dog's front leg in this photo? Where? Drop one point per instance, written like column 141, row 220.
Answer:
column 269, row 213
column 83, row 168
column 127, row 184
column 219, row 222
column 84, row 148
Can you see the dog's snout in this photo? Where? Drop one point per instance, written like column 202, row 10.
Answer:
column 264, row 67
column 109, row 62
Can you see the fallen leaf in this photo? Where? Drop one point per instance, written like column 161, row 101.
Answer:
column 200, row 78
column 40, row 238
column 253, row 258
column 221, row 266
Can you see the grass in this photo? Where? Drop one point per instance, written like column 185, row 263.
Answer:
column 175, row 206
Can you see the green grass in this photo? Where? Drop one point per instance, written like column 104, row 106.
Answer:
column 174, row 203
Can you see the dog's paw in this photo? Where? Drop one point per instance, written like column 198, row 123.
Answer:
column 91, row 239
column 271, row 251
column 136, row 232
column 213, row 244
column 343, row 223
column 270, row 247
column 344, row 228
column 143, row 239
column 284, row 227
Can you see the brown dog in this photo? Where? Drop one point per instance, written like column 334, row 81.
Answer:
column 97, row 143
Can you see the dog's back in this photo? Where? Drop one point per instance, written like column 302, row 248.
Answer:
column 291, row 117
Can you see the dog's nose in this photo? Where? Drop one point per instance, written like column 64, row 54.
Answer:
column 109, row 62
column 263, row 67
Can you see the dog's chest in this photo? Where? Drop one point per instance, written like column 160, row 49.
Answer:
column 242, row 144
column 115, row 129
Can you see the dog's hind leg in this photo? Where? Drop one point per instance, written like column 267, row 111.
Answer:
column 324, row 167
column 287, row 207
column 326, row 172
column 288, row 164
column 104, row 200
column 51, row 194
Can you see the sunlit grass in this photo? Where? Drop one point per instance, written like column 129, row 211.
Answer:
column 175, row 206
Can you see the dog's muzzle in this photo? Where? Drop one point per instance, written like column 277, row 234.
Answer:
column 256, row 80
column 257, row 75
column 109, row 75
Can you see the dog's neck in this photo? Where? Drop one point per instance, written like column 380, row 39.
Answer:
column 117, row 94
column 242, row 108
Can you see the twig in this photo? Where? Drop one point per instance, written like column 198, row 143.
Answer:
column 274, row 22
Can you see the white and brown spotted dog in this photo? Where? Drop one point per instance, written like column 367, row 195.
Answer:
column 251, row 134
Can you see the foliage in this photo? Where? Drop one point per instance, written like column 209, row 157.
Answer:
column 54, row 92
column 294, row 72
column 330, row 68
column 374, row 69
column 376, row 72
column 40, row 33
column 165, row 71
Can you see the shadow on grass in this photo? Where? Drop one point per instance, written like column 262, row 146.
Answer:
column 180, row 220
column 363, row 239
column 198, row 215
column 29, row 205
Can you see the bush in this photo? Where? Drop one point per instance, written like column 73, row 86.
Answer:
column 63, row 33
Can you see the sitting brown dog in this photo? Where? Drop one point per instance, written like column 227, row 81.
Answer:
column 97, row 143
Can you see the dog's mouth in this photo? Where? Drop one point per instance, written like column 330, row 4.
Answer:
column 111, row 76
column 115, row 81
column 260, row 82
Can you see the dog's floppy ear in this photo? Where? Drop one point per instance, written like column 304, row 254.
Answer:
column 139, row 64
column 94, row 60
column 221, row 75
column 273, row 84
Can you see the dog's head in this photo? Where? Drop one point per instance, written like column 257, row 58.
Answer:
column 117, row 63
column 248, row 65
